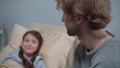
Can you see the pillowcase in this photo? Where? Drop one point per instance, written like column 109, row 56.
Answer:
column 56, row 48
column 3, row 66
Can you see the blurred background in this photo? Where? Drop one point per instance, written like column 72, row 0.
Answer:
column 26, row 12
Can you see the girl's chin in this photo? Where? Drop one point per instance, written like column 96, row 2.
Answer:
column 28, row 53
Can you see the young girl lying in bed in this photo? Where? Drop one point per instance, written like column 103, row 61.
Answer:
column 27, row 54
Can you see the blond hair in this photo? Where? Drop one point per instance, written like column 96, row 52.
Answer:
column 97, row 12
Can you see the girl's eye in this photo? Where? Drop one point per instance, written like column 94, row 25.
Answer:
column 26, row 40
column 34, row 41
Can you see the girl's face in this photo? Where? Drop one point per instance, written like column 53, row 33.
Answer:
column 29, row 45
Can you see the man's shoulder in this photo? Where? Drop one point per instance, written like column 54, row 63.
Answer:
column 107, row 60
column 109, row 54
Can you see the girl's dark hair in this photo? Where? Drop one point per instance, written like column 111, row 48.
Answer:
column 38, row 36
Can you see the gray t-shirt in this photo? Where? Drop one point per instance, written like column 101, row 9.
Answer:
column 106, row 55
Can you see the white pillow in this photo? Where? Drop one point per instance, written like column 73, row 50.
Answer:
column 56, row 49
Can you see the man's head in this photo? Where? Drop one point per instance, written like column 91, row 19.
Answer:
column 96, row 12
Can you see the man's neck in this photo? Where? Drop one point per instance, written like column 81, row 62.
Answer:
column 93, row 39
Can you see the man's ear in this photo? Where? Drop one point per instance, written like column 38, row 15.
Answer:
column 78, row 19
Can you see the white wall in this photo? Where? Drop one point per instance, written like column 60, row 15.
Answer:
column 25, row 12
